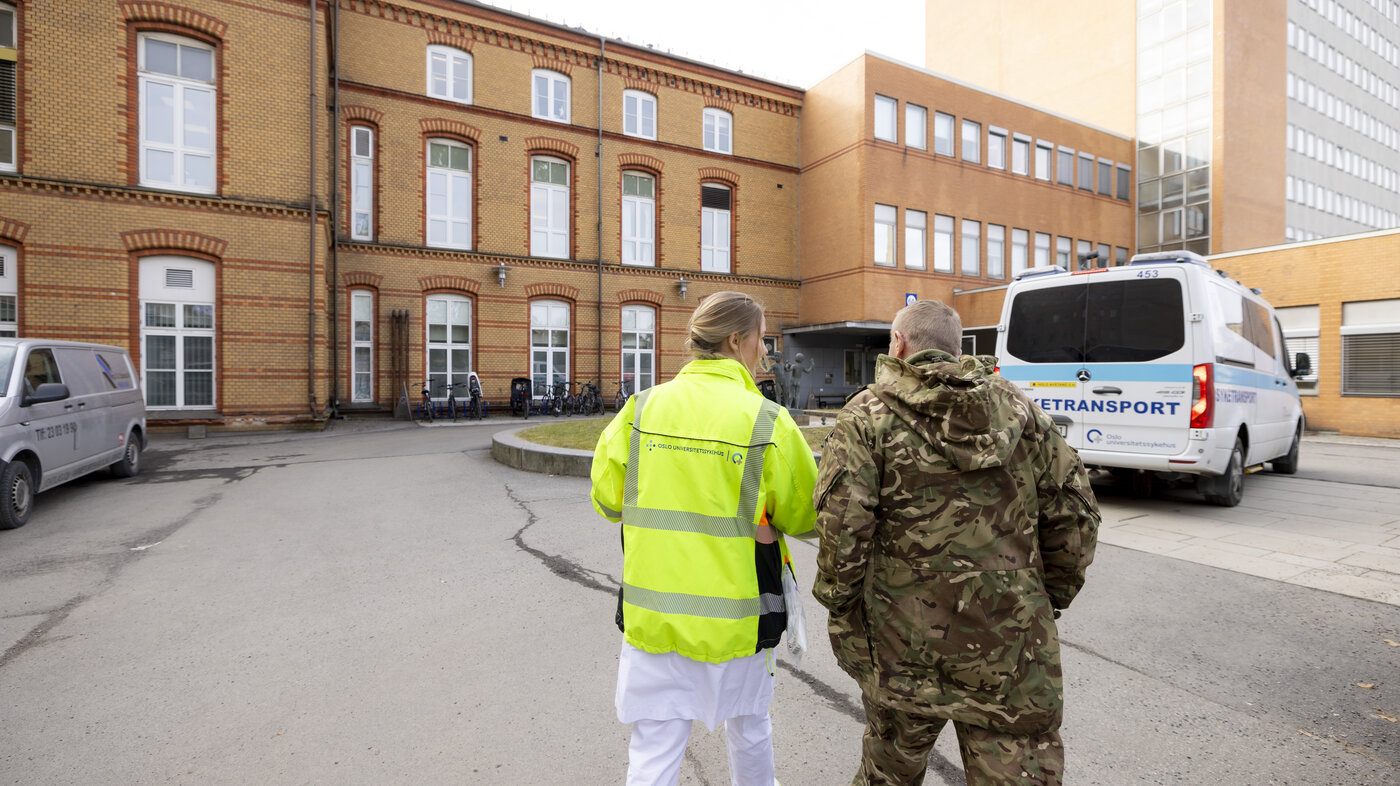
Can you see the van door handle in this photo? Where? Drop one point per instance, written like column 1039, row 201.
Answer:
column 1102, row 391
column 67, row 406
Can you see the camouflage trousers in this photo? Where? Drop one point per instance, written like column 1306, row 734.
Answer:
column 896, row 748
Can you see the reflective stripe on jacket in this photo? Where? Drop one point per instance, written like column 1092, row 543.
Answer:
column 690, row 467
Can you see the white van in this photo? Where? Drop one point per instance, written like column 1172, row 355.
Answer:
column 1161, row 366
column 66, row 409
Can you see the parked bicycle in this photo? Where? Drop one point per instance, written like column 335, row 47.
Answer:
column 425, row 404
column 624, row 392
column 561, row 399
column 589, row 400
column 476, row 403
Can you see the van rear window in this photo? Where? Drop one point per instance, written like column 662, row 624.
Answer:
column 1101, row 322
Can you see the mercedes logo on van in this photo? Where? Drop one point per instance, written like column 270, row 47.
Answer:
column 1084, row 375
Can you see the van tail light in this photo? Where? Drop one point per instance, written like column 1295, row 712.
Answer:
column 1203, row 396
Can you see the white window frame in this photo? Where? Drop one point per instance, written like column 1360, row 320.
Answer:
column 451, row 85
column 1061, row 176
column 1086, row 183
column 639, row 114
column 549, row 100
column 971, row 248
column 1365, row 322
column 9, row 291
column 716, row 233
column 717, row 131
column 550, row 205
column 942, row 244
column 638, row 244
column 886, row 118
column 180, row 88
column 1044, row 159
column 997, row 159
column 915, row 233
column 885, row 246
column 943, row 142
column 361, row 345
column 996, row 251
column 155, row 290
column 916, row 126
column 361, row 182
column 1020, row 250
column 1042, row 249
column 1020, row 154
column 972, row 145
column 642, row 332
column 8, row 131
column 548, row 317
column 447, row 354
column 445, row 206
column 1064, row 252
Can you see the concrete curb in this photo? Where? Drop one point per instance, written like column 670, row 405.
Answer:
column 508, row 448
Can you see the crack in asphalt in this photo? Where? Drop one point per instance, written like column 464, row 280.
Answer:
column 571, row 571
column 560, row 566
column 113, row 564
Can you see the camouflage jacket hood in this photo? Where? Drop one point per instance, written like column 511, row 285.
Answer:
column 949, row 402
column 953, row 520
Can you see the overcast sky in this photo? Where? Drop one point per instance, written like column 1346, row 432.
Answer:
column 796, row 42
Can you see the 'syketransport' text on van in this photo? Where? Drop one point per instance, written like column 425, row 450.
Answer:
column 1161, row 366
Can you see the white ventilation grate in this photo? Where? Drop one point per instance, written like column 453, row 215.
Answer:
column 177, row 278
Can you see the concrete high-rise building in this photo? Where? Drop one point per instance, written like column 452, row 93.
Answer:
column 1257, row 122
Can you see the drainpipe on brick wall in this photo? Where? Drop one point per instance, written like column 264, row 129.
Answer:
column 602, row 53
column 311, row 233
column 333, row 318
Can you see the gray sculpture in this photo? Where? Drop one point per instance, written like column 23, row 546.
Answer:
column 795, row 370
column 782, row 376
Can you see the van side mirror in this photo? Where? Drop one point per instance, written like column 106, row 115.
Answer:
column 49, row 391
column 1302, row 366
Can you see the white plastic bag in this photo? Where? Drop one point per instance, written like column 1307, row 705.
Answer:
column 796, row 622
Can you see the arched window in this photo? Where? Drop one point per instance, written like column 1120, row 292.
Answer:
column 715, row 206
column 549, row 344
column 9, row 291
column 717, row 132
column 361, row 183
column 449, row 346
column 361, row 345
column 549, row 207
column 178, row 113
column 177, row 332
column 638, row 219
column 639, row 114
column 9, row 99
column 550, row 95
column 450, row 74
column 639, row 346
column 449, row 196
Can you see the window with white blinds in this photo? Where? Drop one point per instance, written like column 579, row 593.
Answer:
column 1371, row 348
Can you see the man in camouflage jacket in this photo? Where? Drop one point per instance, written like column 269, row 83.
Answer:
column 954, row 523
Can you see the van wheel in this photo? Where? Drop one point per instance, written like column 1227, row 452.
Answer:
column 1288, row 464
column 130, row 462
column 1226, row 490
column 16, row 495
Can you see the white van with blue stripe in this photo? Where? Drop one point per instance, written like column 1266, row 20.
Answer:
column 1162, row 368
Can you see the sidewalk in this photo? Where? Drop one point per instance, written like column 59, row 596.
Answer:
column 1329, row 535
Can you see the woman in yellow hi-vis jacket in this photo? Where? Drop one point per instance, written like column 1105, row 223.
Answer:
column 700, row 471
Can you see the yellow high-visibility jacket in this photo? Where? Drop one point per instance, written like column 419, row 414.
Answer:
column 690, row 468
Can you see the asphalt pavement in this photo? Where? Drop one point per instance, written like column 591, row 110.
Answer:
column 383, row 603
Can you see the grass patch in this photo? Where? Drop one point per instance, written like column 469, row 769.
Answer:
column 815, row 435
column 575, row 434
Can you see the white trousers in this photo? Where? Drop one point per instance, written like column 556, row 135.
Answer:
column 654, row 757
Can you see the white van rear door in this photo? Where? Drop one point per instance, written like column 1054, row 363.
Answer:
column 1042, row 351
column 1136, row 379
